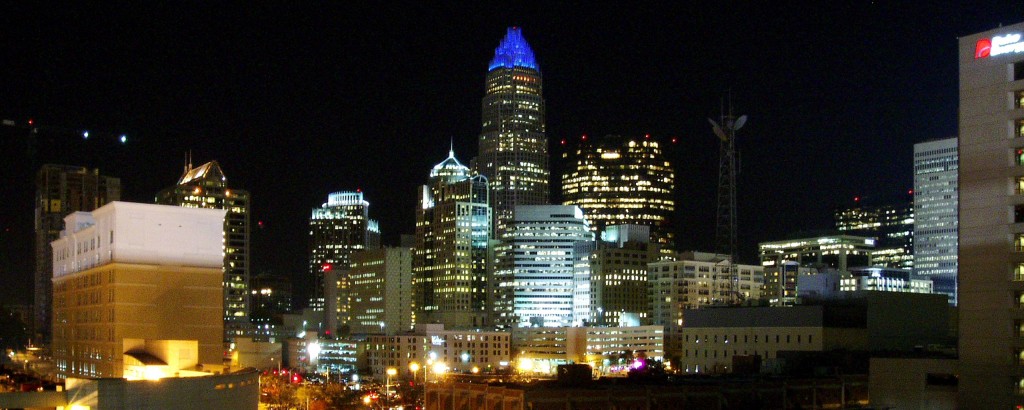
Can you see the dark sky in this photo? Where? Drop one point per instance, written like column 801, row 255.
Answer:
column 299, row 100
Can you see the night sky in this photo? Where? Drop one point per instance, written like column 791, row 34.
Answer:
column 299, row 100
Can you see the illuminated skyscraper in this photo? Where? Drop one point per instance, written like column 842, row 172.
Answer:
column 60, row 191
column 338, row 228
column 537, row 288
column 892, row 226
column 935, row 212
column 513, row 147
column 619, row 180
column 452, row 262
column 206, row 186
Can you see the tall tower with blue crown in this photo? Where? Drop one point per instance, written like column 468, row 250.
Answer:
column 513, row 146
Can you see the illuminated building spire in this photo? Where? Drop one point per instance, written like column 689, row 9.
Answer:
column 513, row 148
column 513, row 51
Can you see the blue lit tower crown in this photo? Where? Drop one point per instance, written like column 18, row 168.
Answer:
column 513, row 148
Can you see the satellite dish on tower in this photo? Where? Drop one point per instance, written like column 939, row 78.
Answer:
column 739, row 123
column 718, row 130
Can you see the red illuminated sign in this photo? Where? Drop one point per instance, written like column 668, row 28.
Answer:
column 983, row 48
column 1004, row 44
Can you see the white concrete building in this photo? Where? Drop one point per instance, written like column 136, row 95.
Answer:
column 543, row 241
column 936, row 198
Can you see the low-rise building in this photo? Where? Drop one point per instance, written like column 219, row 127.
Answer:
column 866, row 321
column 697, row 279
column 885, row 280
column 452, row 350
column 605, row 349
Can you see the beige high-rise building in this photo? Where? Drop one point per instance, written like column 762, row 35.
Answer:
column 991, row 229
column 380, row 291
column 137, row 291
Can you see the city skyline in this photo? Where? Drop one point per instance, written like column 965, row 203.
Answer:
column 300, row 110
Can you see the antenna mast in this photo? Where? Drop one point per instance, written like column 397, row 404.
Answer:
column 725, row 231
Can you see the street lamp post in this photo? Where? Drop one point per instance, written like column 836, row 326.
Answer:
column 414, row 367
column 387, row 387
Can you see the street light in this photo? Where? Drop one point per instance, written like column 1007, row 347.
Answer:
column 415, row 367
column 439, row 369
column 387, row 387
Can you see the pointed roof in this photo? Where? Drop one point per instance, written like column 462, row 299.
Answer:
column 209, row 170
column 450, row 169
column 513, row 51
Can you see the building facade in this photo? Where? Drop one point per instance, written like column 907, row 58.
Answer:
column 840, row 252
column 936, row 196
column 513, row 147
column 338, row 228
column 696, row 280
column 610, row 349
column 891, row 225
column 782, row 282
column 138, row 284
column 991, row 212
column 452, row 265
column 206, row 186
column 620, row 180
column 885, row 280
column 536, row 287
column 60, row 191
column 618, row 277
column 271, row 297
column 433, row 345
column 864, row 321
column 381, row 291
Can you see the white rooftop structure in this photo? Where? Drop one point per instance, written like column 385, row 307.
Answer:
column 136, row 233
